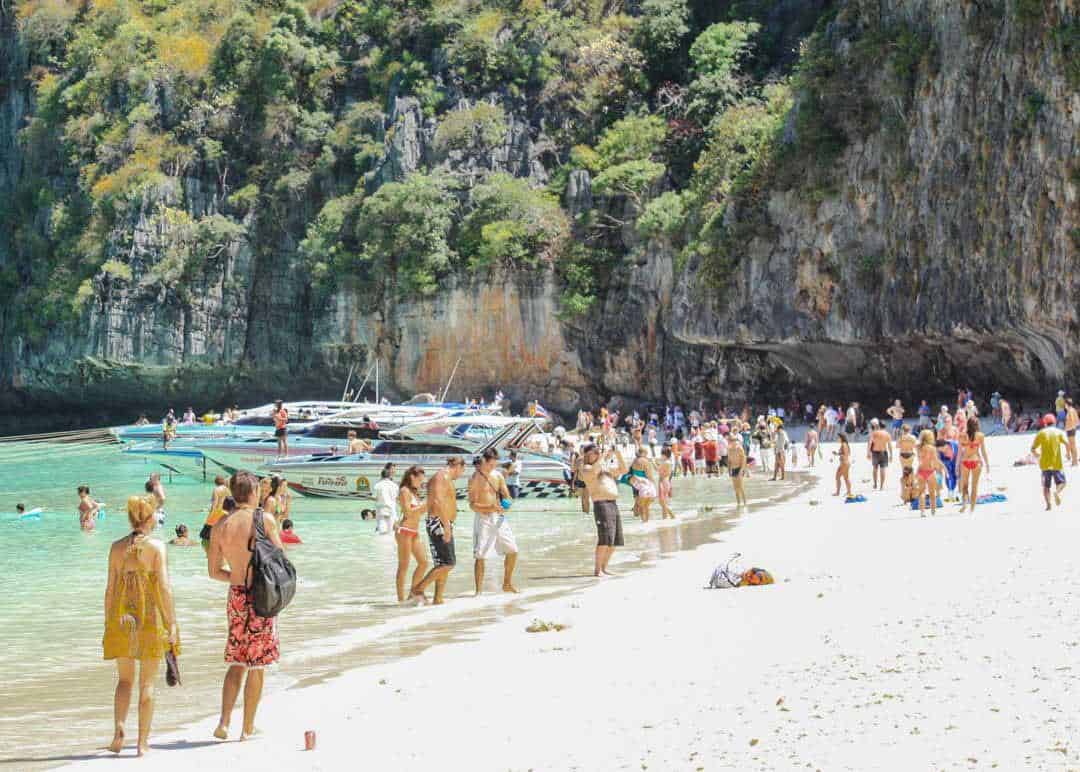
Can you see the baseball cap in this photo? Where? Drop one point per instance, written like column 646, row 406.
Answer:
column 1049, row 419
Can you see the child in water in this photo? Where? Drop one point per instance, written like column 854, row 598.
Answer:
column 287, row 535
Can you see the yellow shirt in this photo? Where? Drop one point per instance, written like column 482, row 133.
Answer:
column 1049, row 442
column 1059, row 404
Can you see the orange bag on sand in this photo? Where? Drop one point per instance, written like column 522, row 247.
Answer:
column 756, row 576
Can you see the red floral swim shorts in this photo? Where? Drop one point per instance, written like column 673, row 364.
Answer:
column 253, row 640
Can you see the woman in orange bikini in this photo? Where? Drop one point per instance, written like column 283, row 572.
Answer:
column 406, row 532
column 929, row 463
column 972, row 444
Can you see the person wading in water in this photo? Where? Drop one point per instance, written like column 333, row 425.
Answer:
column 489, row 497
column 442, row 514
column 252, row 641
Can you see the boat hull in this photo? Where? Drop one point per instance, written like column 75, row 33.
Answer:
column 355, row 479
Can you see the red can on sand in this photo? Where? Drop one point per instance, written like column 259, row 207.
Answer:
column 309, row 740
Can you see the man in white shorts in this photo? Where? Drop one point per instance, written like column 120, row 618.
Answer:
column 386, row 493
column 489, row 498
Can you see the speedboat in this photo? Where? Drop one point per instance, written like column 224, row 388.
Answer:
column 254, row 455
column 354, row 476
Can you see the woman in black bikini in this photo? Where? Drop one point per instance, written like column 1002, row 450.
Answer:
column 906, row 444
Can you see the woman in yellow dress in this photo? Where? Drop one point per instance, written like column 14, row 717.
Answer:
column 140, row 618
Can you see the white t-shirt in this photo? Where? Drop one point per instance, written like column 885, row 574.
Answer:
column 386, row 492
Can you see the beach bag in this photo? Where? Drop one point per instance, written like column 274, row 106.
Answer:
column 728, row 575
column 756, row 576
column 271, row 577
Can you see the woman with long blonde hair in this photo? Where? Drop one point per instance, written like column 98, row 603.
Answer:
column 140, row 618
column 929, row 463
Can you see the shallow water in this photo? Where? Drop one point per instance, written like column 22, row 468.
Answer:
column 56, row 691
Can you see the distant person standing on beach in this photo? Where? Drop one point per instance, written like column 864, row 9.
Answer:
column 737, row 468
column 844, row 467
column 1047, row 446
column 896, row 413
column 1006, row 413
column 600, row 480
column 780, row 446
column 408, row 530
column 386, row 494
column 811, row 445
column 879, row 451
column 1072, row 421
column 442, row 514
column 281, row 428
column 972, row 446
column 88, row 509
column 929, row 465
column 140, row 619
column 252, row 642
column 489, row 499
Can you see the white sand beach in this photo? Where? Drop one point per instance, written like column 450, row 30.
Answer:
column 890, row 641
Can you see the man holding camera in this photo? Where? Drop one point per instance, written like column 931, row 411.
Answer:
column 603, row 490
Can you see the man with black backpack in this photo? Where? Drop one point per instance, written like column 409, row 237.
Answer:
column 252, row 641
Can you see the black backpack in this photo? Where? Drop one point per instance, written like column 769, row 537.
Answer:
column 271, row 576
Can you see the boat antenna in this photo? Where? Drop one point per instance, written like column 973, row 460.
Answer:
column 362, row 385
column 345, row 391
column 450, row 380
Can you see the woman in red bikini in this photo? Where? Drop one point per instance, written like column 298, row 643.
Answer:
column 929, row 463
column 972, row 445
column 407, row 530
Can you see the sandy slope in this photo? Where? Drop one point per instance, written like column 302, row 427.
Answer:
column 890, row 642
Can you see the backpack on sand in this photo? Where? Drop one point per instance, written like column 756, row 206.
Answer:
column 272, row 578
column 728, row 575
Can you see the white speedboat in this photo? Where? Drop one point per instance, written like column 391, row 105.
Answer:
column 354, row 476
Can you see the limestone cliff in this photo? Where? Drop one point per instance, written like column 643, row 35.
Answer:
column 944, row 249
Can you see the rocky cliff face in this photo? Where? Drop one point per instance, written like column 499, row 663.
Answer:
column 945, row 250
column 946, row 255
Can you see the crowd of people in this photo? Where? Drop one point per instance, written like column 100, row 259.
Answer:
column 945, row 452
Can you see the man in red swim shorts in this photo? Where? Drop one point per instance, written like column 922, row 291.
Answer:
column 252, row 641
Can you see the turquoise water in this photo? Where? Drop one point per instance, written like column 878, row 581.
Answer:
column 56, row 691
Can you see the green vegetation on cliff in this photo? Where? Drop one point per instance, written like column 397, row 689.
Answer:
column 393, row 144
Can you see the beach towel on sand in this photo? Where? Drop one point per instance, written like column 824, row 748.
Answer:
column 915, row 502
column 991, row 498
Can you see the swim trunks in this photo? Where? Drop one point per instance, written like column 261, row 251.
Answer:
column 608, row 524
column 898, row 423
column 253, row 640
column 281, row 432
column 1053, row 476
column 442, row 551
column 492, row 536
column 881, row 458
